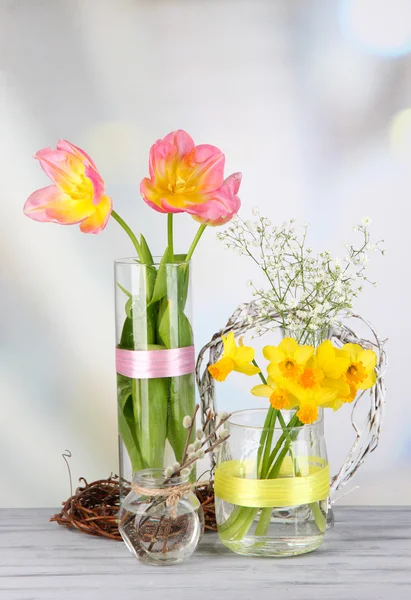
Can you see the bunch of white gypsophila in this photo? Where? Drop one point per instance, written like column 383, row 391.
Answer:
column 308, row 291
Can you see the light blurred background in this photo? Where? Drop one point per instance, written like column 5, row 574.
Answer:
column 310, row 99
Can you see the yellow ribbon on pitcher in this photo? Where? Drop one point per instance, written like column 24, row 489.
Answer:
column 235, row 482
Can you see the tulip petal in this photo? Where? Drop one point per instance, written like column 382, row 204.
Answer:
column 161, row 161
column 97, row 182
column 62, row 168
column 69, row 212
column 204, row 168
column 183, row 142
column 221, row 205
column 98, row 221
column 38, row 201
column 66, row 146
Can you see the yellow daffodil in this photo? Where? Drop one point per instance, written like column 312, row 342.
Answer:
column 333, row 363
column 280, row 398
column 234, row 358
column 358, row 375
column 360, row 372
column 287, row 360
column 311, row 390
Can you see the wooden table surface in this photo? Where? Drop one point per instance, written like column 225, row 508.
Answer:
column 366, row 556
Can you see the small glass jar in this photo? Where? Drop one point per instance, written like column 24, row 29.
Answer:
column 155, row 532
column 272, row 501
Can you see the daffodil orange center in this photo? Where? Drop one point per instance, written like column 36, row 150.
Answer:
column 356, row 373
column 221, row 369
column 311, row 378
column 308, row 413
column 279, row 399
column 289, row 368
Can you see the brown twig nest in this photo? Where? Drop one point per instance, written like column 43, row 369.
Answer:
column 205, row 494
column 94, row 507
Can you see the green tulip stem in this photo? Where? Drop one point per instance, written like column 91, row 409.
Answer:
column 196, row 239
column 128, row 231
column 170, row 239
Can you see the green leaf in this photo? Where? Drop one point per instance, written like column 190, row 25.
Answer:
column 150, row 399
column 174, row 329
column 123, row 389
column 123, row 289
column 146, row 255
column 126, row 422
column 139, row 329
column 160, row 287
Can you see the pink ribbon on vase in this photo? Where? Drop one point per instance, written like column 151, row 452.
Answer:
column 150, row 364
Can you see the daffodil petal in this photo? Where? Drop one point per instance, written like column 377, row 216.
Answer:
column 273, row 354
column 324, row 395
column 368, row 359
column 353, row 350
column 229, row 345
column 288, row 346
column 274, row 372
column 369, row 381
column 262, row 390
column 244, row 354
column 337, row 384
column 246, row 368
column 325, row 352
column 303, row 354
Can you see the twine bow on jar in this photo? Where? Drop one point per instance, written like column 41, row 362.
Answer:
column 172, row 494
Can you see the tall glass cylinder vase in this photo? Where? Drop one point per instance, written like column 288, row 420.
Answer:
column 155, row 363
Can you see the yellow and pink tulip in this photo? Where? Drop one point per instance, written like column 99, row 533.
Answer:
column 189, row 178
column 77, row 194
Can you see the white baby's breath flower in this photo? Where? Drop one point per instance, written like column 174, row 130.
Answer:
column 366, row 221
column 303, row 288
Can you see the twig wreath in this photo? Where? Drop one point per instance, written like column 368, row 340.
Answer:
column 248, row 317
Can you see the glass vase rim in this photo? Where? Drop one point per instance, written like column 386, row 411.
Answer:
column 155, row 477
column 135, row 261
column 277, row 427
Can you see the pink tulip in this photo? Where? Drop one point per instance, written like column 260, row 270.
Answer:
column 189, row 178
column 77, row 195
